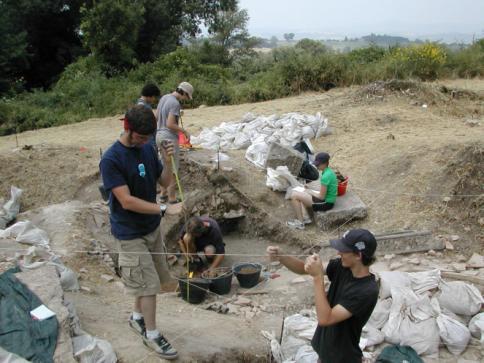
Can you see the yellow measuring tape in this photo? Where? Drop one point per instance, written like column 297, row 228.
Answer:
column 182, row 198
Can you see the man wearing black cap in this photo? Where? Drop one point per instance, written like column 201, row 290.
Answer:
column 318, row 201
column 351, row 297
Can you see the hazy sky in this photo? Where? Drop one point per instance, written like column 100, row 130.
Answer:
column 361, row 17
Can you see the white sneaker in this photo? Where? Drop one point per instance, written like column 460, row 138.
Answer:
column 161, row 346
column 295, row 224
column 307, row 221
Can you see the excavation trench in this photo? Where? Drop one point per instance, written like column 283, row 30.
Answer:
column 203, row 332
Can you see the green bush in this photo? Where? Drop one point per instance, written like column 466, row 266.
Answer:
column 467, row 62
column 83, row 90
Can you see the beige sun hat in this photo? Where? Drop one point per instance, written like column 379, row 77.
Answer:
column 187, row 88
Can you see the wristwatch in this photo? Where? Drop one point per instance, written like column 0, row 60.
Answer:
column 162, row 209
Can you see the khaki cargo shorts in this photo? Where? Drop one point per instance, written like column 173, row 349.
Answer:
column 141, row 271
column 165, row 135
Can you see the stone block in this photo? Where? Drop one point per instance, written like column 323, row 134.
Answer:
column 279, row 155
column 346, row 208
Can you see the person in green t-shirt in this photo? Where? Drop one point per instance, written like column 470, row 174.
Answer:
column 318, row 201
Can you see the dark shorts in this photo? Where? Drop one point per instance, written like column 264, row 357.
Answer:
column 320, row 205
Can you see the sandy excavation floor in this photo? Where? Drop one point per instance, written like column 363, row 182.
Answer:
column 405, row 161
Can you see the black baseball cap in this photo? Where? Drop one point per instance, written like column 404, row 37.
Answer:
column 321, row 158
column 356, row 240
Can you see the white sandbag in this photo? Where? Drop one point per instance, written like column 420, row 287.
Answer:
column 306, row 354
column 219, row 157
column 422, row 336
column 380, row 313
column 476, row 326
column 298, row 331
column 275, row 346
column 370, row 336
column 455, row 335
column 26, row 232
column 207, row 139
column 257, row 153
column 412, row 322
column 275, row 182
column 280, row 179
column 241, row 141
column 425, row 280
column 389, row 279
column 10, row 209
column 460, row 297
column 286, row 130
column 88, row 349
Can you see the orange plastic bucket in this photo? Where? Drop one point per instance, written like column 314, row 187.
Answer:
column 342, row 187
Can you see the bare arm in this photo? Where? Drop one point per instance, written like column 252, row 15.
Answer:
column 217, row 261
column 132, row 203
column 322, row 192
column 292, row 263
column 326, row 315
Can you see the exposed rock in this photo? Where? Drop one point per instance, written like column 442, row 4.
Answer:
column 395, row 265
column 242, row 301
column 249, row 315
column 347, row 207
column 414, row 261
column 233, row 309
column 472, row 123
column 107, row 278
column 459, row 267
column 461, row 258
column 476, row 261
column 449, row 246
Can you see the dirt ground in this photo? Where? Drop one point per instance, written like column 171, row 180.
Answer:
column 414, row 154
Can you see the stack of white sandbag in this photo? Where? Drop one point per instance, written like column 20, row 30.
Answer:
column 417, row 309
column 423, row 311
column 287, row 130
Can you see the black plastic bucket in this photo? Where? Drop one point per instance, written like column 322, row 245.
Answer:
column 248, row 274
column 220, row 280
column 195, row 291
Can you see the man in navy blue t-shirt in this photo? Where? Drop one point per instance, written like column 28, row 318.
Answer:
column 130, row 169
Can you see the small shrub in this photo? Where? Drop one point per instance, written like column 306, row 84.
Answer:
column 420, row 61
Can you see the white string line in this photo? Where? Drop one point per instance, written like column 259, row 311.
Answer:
column 418, row 194
column 131, row 252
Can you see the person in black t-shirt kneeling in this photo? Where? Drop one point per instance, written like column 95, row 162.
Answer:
column 202, row 235
column 351, row 298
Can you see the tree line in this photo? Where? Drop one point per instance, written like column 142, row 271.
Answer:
column 39, row 38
